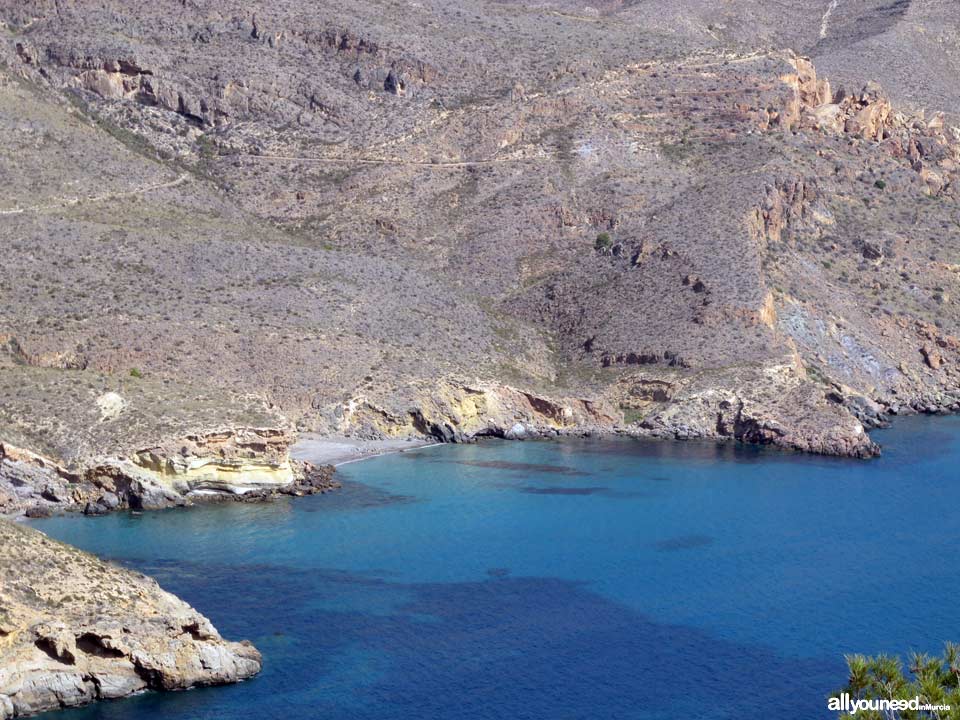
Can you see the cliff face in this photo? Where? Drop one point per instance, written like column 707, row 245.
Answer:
column 74, row 629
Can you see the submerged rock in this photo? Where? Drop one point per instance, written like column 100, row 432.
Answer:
column 74, row 629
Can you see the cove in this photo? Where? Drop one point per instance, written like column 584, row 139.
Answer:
column 570, row 579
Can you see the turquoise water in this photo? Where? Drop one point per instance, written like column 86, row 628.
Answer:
column 577, row 579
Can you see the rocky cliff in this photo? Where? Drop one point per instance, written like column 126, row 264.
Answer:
column 74, row 629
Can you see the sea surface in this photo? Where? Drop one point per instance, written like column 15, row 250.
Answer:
column 560, row 580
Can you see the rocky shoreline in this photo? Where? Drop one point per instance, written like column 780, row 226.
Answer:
column 250, row 464
column 836, row 421
column 75, row 629
column 757, row 405
column 34, row 486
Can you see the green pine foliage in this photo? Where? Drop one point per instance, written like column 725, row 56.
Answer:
column 936, row 681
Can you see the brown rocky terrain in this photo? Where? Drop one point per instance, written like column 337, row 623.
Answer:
column 74, row 629
column 690, row 220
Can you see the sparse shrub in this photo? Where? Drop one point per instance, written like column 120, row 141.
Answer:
column 603, row 242
column 207, row 147
column 880, row 184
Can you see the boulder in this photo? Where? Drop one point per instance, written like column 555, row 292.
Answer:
column 109, row 500
column 517, row 432
column 932, row 357
column 92, row 508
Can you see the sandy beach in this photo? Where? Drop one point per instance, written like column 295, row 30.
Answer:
column 336, row 450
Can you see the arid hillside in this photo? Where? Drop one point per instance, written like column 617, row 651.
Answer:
column 687, row 219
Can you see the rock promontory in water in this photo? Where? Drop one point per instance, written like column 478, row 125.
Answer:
column 74, row 629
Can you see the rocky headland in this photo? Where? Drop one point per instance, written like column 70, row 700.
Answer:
column 74, row 629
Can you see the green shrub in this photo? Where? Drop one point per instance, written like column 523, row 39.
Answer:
column 135, row 373
column 880, row 184
column 603, row 241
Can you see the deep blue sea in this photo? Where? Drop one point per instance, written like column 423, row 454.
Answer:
column 559, row 580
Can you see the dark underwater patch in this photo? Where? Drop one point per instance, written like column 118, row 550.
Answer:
column 352, row 495
column 551, row 648
column 656, row 449
column 529, row 490
column 684, row 542
column 522, row 467
column 564, row 490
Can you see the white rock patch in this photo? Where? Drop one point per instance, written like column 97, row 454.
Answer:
column 111, row 405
